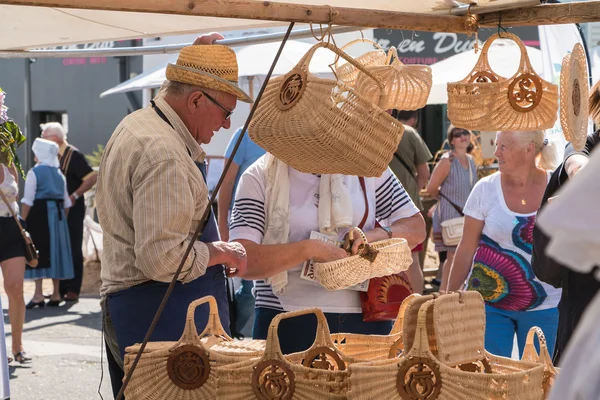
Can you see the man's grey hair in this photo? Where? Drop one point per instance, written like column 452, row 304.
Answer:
column 179, row 90
column 54, row 129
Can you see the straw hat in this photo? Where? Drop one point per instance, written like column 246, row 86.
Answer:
column 208, row 66
column 574, row 96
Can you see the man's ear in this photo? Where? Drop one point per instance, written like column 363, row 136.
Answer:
column 194, row 100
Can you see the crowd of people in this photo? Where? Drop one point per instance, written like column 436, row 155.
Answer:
column 52, row 210
column 152, row 193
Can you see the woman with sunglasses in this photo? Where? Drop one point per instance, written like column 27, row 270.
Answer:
column 451, row 182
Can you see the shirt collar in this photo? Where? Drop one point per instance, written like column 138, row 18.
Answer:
column 194, row 148
column 62, row 148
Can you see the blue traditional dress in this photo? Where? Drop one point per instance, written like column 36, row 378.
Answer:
column 47, row 224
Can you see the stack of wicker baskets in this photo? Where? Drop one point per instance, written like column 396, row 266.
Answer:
column 438, row 354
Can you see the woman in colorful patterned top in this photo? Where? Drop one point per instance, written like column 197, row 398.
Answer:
column 494, row 255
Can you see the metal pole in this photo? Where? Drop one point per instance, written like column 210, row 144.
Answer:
column 165, row 49
column 28, row 115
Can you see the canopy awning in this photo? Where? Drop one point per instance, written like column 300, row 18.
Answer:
column 27, row 24
column 249, row 65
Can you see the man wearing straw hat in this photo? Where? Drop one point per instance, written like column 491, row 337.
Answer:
column 151, row 196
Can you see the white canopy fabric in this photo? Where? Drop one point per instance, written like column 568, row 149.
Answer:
column 253, row 60
column 503, row 57
column 25, row 27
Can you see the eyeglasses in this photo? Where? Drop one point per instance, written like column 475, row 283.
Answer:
column 227, row 112
column 460, row 132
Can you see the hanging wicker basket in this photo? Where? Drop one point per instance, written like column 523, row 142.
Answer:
column 323, row 126
column 348, row 72
column 574, row 92
column 485, row 101
column 406, row 87
column 382, row 258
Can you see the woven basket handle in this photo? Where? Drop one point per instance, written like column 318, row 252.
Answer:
column 420, row 344
column 531, row 354
column 524, row 63
column 357, row 41
column 213, row 326
column 356, row 230
column 323, row 336
column 305, row 62
column 393, row 54
column 397, row 328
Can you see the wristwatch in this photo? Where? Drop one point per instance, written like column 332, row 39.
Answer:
column 388, row 230
column 75, row 195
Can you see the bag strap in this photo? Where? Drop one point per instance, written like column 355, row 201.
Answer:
column 364, row 190
column 457, row 208
column 408, row 168
column 14, row 215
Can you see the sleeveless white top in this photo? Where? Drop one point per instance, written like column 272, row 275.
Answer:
column 10, row 188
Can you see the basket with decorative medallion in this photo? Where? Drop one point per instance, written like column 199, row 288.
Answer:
column 318, row 373
column 454, row 366
column 574, row 92
column 324, row 126
column 485, row 101
column 187, row 368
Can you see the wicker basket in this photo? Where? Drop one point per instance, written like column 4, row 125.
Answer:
column 530, row 354
column 574, row 92
column 187, row 368
column 323, row 126
column 321, row 374
column 375, row 347
column 348, row 72
column 406, row 87
column 459, row 370
column 382, row 258
column 487, row 102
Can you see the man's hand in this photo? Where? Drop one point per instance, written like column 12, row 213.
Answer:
column 209, row 38
column 231, row 255
column 323, row 252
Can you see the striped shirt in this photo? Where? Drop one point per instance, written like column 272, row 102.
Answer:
column 388, row 202
column 150, row 198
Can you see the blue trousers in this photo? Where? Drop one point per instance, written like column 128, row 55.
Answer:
column 132, row 310
column 502, row 325
column 244, row 308
column 298, row 334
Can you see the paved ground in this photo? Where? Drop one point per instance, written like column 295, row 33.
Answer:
column 65, row 343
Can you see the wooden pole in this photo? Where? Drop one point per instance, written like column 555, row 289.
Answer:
column 547, row 14
column 270, row 11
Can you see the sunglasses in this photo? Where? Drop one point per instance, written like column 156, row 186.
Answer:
column 227, row 112
column 460, row 132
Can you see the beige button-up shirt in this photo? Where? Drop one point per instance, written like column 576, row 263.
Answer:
column 150, row 198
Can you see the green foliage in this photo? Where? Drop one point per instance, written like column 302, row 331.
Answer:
column 11, row 137
column 96, row 156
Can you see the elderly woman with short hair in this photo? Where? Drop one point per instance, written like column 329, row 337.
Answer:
column 494, row 255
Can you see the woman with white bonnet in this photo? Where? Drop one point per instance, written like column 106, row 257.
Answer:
column 494, row 255
column 44, row 205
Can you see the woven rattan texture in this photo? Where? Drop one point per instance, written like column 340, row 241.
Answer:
column 488, row 102
column 328, row 129
column 574, row 92
column 459, row 321
column 406, row 87
column 284, row 379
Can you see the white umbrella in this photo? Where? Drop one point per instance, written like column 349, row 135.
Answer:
column 503, row 56
column 254, row 60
